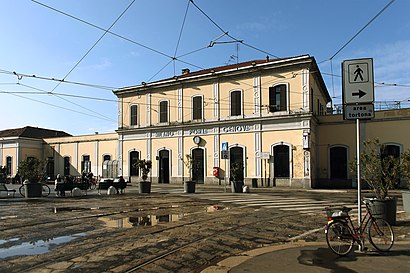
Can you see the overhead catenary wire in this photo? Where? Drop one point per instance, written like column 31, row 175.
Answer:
column 56, row 106
column 94, row 45
column 22, row 75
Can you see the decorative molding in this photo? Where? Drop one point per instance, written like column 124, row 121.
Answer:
column 180, row 156
column 217, row 144
column 258, row 148
column 257, row 95
column 305, row 89
column 180, row 104
column 306, row 159
column 216, row 100
column 148, row 117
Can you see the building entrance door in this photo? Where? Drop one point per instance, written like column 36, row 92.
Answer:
column 281, row 161
column 163, row 176
column 198, row 168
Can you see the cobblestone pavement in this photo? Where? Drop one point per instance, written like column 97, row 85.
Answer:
column 159, row 232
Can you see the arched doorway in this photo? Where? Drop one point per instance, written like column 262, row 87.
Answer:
column 134, row 157
column 236, row 155
column 338, row 163
column 281, row 161
column 163, row 176
column 198, row 166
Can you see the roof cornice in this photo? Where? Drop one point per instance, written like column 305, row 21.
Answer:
column 210, row 73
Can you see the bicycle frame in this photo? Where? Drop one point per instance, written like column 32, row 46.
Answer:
column 358, row 232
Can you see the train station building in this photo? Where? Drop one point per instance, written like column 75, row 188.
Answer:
column 273, row 117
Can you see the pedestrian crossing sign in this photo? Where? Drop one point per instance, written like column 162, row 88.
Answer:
column 357, row 81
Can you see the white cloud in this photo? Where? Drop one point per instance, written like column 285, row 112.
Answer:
column 103, row 65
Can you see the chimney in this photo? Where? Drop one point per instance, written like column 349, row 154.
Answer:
column 185, row 71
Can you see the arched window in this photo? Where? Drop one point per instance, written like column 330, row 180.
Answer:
column 197, row 107
column 236, row 156
column 236, row 103
column 134, row 115
column 134, row 157
column 278, row 98
column 198, row 165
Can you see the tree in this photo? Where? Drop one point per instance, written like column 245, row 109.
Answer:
column 33, row 170
column 405, row 166
column 145, row 167
column 382, row 172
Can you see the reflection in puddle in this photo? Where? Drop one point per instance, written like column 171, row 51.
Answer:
column 33, row 248
column 149, row 220
column 65, row 209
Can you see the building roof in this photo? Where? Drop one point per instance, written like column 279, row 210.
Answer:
column 33, row 132
column 210, row 72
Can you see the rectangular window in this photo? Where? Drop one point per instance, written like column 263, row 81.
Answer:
column 86, row 164
column 277, row 98
column 66, row 166
column 197, row 108
column 134, row 115
column 236, row 103
column 163, row 111
column 8, row 165
column 50, row 167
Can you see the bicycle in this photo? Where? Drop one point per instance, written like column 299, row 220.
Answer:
column 341, row 234
column 44, row 193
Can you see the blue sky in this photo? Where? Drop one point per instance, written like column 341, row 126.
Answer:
column 37, row 40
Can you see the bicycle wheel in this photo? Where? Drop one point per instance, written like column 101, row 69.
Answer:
column 381, row 234
column 22, row 191
column 339, row 238
column 45, row 190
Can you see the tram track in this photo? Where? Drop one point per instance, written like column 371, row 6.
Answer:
column 83, row 217
column 176, row 246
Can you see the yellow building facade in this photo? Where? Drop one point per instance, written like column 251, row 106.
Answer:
column 270, row 116
column 262, row 112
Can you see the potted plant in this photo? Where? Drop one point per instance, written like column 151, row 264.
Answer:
column 236, row 176
column 405, row 165
column 145, row 167
column 33, row 171
column 382, row 173
column 189, row 186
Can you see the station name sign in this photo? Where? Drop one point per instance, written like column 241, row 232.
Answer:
column 362, row 111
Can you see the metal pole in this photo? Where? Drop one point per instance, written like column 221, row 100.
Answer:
column 225, row 176
column 265, row 173
column 359, row 197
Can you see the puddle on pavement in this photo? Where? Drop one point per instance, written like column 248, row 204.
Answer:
column 70, row 209
column 149, row 220
column 33, row 248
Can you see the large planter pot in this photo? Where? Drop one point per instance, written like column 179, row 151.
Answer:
column 33, row 190
column 384, row 209
column 145, row 187
column 406, row 201
column 236, row 186
column 189, row 186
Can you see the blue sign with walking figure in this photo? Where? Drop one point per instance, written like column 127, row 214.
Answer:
column 224, row 146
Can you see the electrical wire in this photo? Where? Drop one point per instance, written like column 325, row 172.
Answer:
column 56, row 106
column 363, row 28
column 233, row 38
column 95, row 44
column 21, row 75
